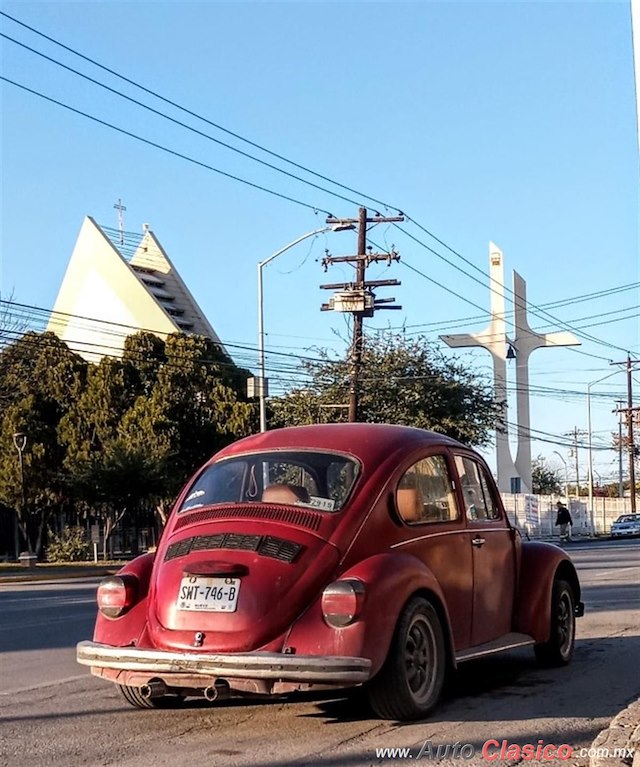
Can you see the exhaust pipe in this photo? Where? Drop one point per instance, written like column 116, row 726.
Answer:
column 154, row 688
column 217, row 691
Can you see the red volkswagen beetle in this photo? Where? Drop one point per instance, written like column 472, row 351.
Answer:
column 331, row 556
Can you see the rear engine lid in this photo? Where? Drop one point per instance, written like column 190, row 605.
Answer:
column 237, row 585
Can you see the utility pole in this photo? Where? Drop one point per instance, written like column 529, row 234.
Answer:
column 629, row 411
column 357, row 297
column 575, row 434
column 575, row 443
column 358, row 319
column 619, row 410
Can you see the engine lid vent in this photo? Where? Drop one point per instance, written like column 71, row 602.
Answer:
column 299, row 517
column 265, row 545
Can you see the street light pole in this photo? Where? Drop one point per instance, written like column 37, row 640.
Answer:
column 262, row 384
column 20, row 442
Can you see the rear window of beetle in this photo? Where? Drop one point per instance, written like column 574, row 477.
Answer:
column 317, row 480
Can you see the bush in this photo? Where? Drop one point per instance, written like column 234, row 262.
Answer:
column 71, row 546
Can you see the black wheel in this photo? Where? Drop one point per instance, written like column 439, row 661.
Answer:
column 410, row 682
column 134, row 697
column 558, row 650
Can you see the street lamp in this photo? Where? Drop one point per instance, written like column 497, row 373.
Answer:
column 262, row 394
column 566, row 475
column 20, row 442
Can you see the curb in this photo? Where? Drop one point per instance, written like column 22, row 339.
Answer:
column 69, row 573
column 622, row 734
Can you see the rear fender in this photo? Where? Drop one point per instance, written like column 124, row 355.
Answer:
column 390, row 580
column 127, row 629
column 540, row 565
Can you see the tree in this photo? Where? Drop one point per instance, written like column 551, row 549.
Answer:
column 544, row 479
column 404, row 381
column 196, row 407
column 45, row 380
column 12, row 326
column 114, row 438
column 160, row 411
column 119, row 480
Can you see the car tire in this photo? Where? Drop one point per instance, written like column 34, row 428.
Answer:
column 134, row 698
column 558, row 650
column 409, row 683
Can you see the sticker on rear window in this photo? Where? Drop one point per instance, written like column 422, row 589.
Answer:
column 326, row 504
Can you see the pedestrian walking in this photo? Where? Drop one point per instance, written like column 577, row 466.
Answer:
column 564, row 521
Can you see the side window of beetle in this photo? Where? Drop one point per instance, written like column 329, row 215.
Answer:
column 479, row 501
column 425, row 492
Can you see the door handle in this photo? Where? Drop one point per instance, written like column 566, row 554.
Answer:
column 477, row 541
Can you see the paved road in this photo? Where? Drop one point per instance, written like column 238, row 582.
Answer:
column 52, row 710
column 40, row 624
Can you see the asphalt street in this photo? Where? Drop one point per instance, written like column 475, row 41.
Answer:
column 54, row 711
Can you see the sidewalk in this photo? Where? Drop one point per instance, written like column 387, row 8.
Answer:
column 622, row 738
column 15, row 573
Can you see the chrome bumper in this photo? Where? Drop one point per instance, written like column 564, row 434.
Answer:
column 327, row 669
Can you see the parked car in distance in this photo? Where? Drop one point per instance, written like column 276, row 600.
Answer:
column 327, row 557
column 626, row 526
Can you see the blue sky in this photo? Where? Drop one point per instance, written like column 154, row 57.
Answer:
column 512, row 122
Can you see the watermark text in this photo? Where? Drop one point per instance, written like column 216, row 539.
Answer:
column 493, row 750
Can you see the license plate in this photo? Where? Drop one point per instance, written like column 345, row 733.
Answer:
column 218, row 595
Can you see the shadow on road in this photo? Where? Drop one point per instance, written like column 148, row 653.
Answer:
column 524, row 688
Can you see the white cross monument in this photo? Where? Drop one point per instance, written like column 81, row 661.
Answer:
column 512, row 476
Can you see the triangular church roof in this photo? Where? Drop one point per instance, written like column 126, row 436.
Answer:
column 116, row 284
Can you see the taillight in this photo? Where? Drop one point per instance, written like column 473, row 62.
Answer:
column 116, row 594
column 342, row 602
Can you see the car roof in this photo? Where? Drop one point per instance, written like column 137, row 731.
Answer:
column 367, row 441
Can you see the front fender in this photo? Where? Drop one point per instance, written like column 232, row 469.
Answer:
column 127, row 629
column 540, row 564
column 390, row 579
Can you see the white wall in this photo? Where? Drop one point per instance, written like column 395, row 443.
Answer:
column 536, row 514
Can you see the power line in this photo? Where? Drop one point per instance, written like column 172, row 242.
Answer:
column 236, row 178
column 178, row 122
column 163, row 148
column 576, row 327
column 194, row 114
column 537, row 311
column 122, row 330
column 368, row 380
column 477, row 306
column 533, row 432
column 105, row 349
column 449, row 324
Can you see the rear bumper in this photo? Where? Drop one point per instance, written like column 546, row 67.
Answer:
column 320, row 669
